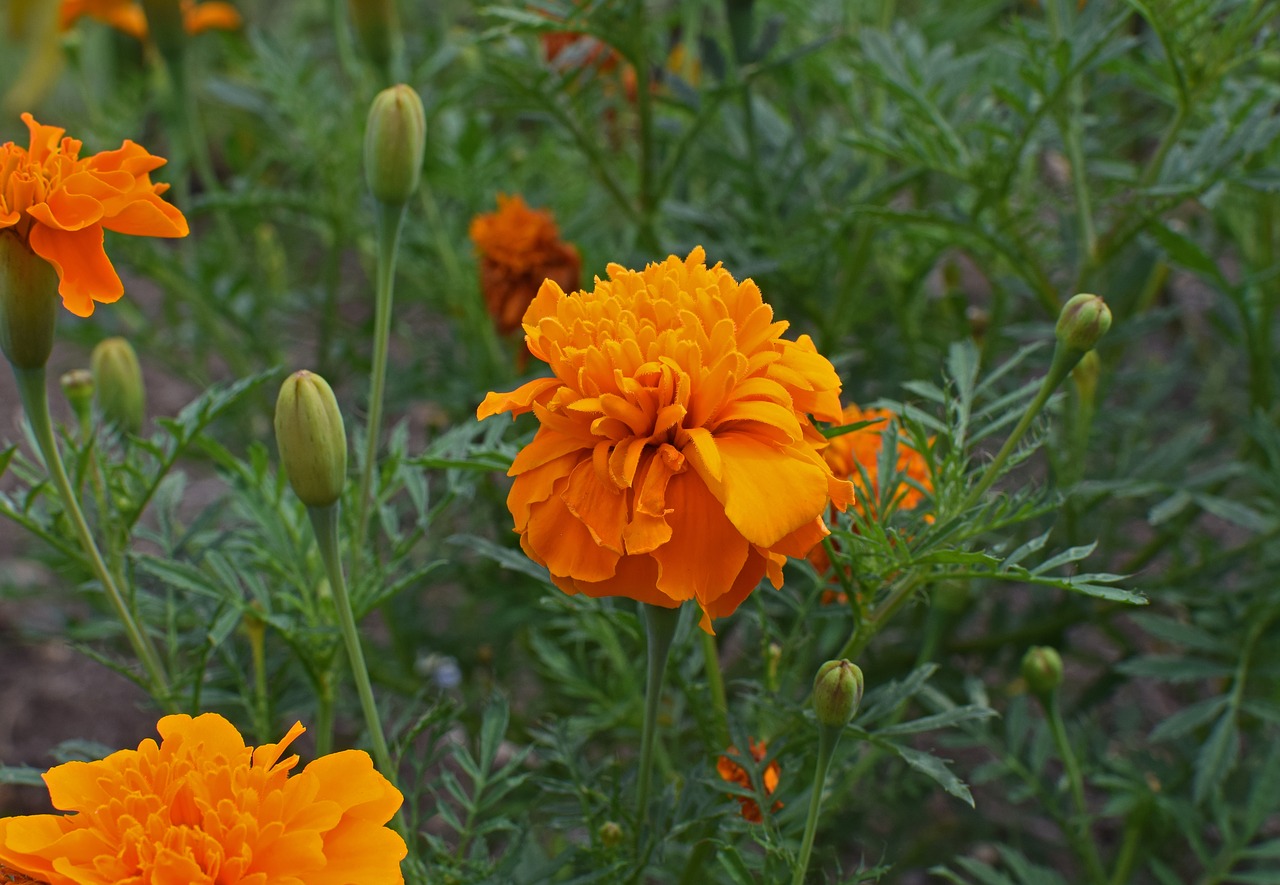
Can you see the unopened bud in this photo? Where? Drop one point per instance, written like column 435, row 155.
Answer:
column 610, row 834
column 837, row 692
column 1042, row 669
column 77, row 387
column 28, row 304
column 395, row 140
column 311, row 438
column 1083, row 322
column 117, row 381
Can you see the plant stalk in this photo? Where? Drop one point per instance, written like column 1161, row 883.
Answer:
column 660, row 627
column 828, row 737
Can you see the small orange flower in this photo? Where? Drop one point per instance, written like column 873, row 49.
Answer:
column 58, row 206
column 735, row 774
column 861, row 448
column 519, row 248
column 675, row 459
column 128, row 15
column 202, row 808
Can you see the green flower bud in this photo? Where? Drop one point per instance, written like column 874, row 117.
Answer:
column 28, row 304
column 1042, row 669
column 837, row 692
column 312, row 439
column 1083, row 322
column 117, row 381
column 610, row 834
column 77, row 387
column 395, row 140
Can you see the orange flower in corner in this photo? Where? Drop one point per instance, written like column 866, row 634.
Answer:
column 675, row 459
column 201, row 808
column 519, row 248
column 129, row 17
column 57, row 205
column 735, row 774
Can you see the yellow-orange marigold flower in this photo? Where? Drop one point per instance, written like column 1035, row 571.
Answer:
column 519, row 248
column 58, row 206
column 735, row 774
column 676, row 459
column 129, row 17
column 201, row 808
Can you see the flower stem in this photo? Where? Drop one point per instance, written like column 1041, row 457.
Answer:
column 1078, row 833
column 715, row 684
column 389, row 221
column 35, row 402
column 324, row 714
column 325, row 522
column 828, row 737
column 660, row 626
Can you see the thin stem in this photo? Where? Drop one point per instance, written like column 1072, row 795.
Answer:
column 35, row 401
column 715, row 684
column 325, row 522
column 828, row 737
column 324, row 714
column 389, row 220
column 877, row 618
column 1077, row 831
column 660, row 627
column 257, row 630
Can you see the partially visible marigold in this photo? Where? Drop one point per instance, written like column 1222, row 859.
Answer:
column 675, row 459
column 862, row 448
column 519, row 248
column 129, row 17
column 735, row 774
column 58, row 206
column 201, row 808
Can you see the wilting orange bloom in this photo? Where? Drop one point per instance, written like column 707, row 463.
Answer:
column 735, row 774
column 128, row 15
column 675, row 459
column 58, row 206
column 202, row 808
column 519, row 248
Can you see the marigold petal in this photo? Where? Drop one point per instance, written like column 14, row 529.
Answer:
column 362, row 851
column 635, row 578
column 547, row 445
column 204, row 16
column 564, row 543
column 537, row 485
column 84, row 271
column 601, row 507
column 518, row 401
column 769, row 492
column 705, row 553
column 148, row 216
column 802, row 540
column 67, row 211
column 747, row 580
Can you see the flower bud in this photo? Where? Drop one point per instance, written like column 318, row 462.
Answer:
column 117, row 381
column 28, row 304
column 311, row 438
column 1042, row 669
column 1083, row 321
column 610, row 834
column 837, row 691
column 395, row 140
column 77, row 387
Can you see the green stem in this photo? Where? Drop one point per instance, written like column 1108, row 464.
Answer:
column 648, row 236
column 1134, row 829
column 325, row 522
column 35, row 401
column 828, row 737
column 1078, row 831
column 257, row 630
column 390, row 219
column 877, row 618
column 660, row 627
column 1064, row 360
column 324, row 715
column 715, row 684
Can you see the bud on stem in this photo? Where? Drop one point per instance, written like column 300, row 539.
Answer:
column 837, row 692
column 117, row 380
column 312, row 439
column 395, row 140
column 1042, row 669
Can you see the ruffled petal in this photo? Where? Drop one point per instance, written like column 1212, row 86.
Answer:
column 769, row 492
column 85, row 272
column 705, row 553
column 564, row 544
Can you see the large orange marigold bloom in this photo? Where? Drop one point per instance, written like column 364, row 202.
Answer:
column 201, row 808
column 58, row 206
column 129, row 17
column 676, row 459
column 519, row 248
column 735, row 774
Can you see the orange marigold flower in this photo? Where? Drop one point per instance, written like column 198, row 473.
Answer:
column 862, row 448
column 735, row 774
column 519, row 248
column 202, row 808
column 129, row 17
column 675, row 459
column 58, row 206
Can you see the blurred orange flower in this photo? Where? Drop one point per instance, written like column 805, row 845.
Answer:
column 735, row 774
column 675, row 459
column 861, row 448
column 128, row 15
column 202, row 808
column 58, row 206
column 519, row 248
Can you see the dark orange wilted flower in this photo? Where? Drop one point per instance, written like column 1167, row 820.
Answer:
column 676, row 423
column 128, row 15
column 735, row 774
column 519, row 248
column 201, row 808
column 57, row 205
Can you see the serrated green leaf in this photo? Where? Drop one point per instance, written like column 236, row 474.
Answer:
column 934, row 767
column 1217, row 757
column 1188, row 718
